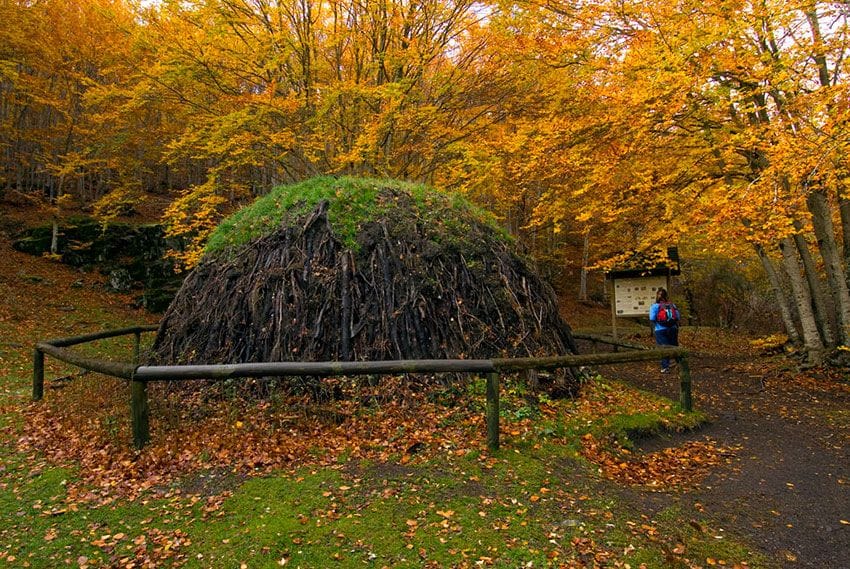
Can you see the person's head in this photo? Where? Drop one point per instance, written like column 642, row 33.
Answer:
column 661, row 295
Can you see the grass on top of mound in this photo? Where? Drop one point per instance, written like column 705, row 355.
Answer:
column 351, row 203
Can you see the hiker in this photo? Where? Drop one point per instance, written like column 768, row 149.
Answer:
column 665, row 316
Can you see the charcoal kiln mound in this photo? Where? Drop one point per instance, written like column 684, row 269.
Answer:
column 359, row 269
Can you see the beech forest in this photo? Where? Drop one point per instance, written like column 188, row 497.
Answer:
column 445, row 183
column 722, row 125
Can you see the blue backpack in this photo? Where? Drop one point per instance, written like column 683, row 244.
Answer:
column 668, row 314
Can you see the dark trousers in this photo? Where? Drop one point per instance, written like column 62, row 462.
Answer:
column 667, row 337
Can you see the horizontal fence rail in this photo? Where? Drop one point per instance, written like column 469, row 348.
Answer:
column 279, row 369
column 85, row 338
column 139, row 376
column 116, row 369
column 602, row 339
column 56, row 348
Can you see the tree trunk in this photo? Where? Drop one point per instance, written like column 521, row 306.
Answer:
column 844, row 210
column 54, row 238
column 803, row 300
column 819, row 302
column 779, row 292
column 582, row 291
column 825, row 233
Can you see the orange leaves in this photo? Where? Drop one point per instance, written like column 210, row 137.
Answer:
column 685, row 465
column 193, row 435
column 108, row 541
column 605, row 120
column 673, row 123
column 153, row 548
column 75, row 64
column 193, row 217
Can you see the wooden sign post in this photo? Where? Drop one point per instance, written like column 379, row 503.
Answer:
column 633, row 290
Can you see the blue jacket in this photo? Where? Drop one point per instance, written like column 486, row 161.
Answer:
column 653, row 314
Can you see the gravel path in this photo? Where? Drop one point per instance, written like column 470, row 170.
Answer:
column 789, row 490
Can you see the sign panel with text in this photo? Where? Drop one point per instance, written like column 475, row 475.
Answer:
column 634, row 296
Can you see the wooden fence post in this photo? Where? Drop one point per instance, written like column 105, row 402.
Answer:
column 685, row 384
column 137, row 347
column 37, row 375
column 493, row 411
column 140, row 412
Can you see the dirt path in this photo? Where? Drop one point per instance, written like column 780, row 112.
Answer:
column 789, row 490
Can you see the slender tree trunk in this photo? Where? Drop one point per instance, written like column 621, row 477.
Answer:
column 844, row 210
column 803, row 300
column 54, row 238
column 582, row 290
column 779, row 292
column 819, row 297
column 825, row 232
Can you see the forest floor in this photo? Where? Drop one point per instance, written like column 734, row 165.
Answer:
column 620, row 477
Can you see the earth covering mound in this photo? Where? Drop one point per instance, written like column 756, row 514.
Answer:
column 360, row 269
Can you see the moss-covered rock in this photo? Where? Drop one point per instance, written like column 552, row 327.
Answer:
column 132, row 256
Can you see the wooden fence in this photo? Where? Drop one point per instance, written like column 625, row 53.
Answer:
column 139, row 376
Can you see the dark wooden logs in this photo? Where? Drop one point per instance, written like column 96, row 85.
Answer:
column 409, row 286
column 74, row 340
column 140, row 413
column 226, row 371
column 554, row 362
column 685, row 384
column 115, row 369
column 137, row 347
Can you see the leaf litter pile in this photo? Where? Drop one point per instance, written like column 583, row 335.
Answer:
column 87, row 423
column 680, row 466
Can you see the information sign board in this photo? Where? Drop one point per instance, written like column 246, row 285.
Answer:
column 634, row 296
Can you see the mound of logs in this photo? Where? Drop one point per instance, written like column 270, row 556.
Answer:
column 407, row 290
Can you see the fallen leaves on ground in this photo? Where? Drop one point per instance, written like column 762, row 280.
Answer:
column 203, row 447
column 87, row 424
column 683, row 465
